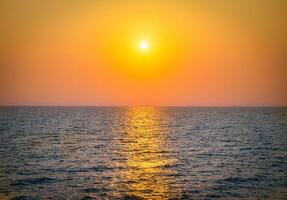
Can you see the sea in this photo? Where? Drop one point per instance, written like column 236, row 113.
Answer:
column 143, row 153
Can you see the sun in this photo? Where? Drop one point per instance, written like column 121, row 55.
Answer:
column 143, row 45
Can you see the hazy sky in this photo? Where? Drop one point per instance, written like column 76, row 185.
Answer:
column 200, row 53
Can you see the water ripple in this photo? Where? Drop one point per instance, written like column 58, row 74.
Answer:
column 143, row 153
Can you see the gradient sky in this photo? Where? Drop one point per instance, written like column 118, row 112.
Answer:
column 201, row 53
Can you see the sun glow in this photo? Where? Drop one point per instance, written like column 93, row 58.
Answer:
column 143, row 45
column 136, row 49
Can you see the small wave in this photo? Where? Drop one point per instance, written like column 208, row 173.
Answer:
column 213, row 196
column 231, row 182
column 100, row 168
column 96, row 190
column 171, row 166
column 226, row 127
column 92, row 190
column 23, row 198
column 33, row 181
column 240, row 179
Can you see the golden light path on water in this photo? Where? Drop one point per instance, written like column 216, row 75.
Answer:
column 147, row 160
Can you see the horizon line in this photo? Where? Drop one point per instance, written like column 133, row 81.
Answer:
column 192, row 106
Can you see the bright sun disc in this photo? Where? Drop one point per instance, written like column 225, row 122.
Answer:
column 143, row 45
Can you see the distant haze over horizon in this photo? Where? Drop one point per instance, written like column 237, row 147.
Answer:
column 143, row 53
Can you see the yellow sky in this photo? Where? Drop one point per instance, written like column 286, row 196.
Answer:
column 214, row 53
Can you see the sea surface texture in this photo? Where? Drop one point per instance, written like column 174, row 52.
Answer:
column 143, row 153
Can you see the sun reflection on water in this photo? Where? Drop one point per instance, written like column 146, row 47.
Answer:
column 146, row 173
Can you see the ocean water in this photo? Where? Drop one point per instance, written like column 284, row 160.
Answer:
column 143, row 153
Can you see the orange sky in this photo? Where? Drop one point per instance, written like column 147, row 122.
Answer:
column 201, row 53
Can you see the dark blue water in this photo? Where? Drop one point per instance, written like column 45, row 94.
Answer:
column 143, row 153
